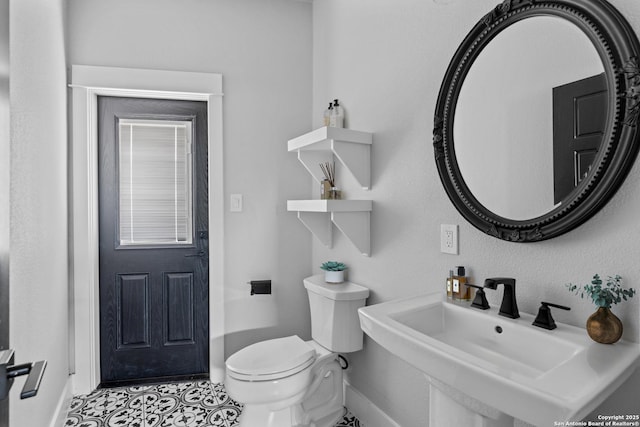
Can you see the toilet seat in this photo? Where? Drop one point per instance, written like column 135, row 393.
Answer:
column 271, row 359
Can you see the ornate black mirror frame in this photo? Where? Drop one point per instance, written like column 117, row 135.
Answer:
column 618, row 48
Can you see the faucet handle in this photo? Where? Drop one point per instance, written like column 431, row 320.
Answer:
column 544, row 319
column 480, row 301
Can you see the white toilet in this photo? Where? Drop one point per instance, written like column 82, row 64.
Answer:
column 288, row 382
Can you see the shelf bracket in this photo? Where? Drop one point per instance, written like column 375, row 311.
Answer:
column 356, row 158
column 319, row 224
column 356, row 227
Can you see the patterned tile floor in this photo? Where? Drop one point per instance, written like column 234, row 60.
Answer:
column 184, row 404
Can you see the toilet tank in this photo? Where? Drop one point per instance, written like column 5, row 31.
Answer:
column 334, row 313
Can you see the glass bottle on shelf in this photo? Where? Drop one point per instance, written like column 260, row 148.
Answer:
column 327, row 115
column 337, row 115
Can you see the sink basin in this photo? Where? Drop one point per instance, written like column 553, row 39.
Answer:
column 529, row 373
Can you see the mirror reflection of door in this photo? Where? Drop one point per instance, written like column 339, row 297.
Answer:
column 153, row 240
column 579, row 119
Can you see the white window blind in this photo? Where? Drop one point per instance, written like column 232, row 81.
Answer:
column 155, row 182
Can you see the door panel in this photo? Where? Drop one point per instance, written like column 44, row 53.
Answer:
column 179, row 326
column 579, row 117
column 133, row 310
column 153, row 239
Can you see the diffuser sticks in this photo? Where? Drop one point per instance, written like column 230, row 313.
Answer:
column 329, row 190
column 329, row 171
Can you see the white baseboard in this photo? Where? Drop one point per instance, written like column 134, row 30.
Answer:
column 63, row 405
column 365, row 410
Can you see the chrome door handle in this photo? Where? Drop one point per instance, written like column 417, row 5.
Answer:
column 8, row 372
column 201, row 254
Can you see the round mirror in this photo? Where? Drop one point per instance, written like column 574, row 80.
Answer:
column 535, row 125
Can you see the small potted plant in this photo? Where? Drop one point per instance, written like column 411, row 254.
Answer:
column 333, row 271
column 603, row 326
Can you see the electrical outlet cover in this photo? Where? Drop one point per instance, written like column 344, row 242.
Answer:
column 449, row 239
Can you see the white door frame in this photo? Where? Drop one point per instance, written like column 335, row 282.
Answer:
column 87, row 83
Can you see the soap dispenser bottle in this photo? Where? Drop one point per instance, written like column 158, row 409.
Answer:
column 337, row 115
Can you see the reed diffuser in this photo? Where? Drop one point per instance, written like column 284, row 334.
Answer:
column 329, row 189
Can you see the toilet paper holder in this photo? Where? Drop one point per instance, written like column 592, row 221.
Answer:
column 260, row 286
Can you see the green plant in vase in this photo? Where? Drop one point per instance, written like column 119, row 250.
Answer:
column 333, row 271
column 603, row 326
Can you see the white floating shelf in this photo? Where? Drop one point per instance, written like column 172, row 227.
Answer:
column 330, row 205
column 352, row 148
column 351, row 217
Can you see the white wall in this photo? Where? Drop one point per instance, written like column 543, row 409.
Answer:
column 385, row 61
column 263, row 51
column 38, row 264
column 4, row 188
column 4, row 170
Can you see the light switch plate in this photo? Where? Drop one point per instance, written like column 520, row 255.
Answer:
column 235, row 203
column 449, row 239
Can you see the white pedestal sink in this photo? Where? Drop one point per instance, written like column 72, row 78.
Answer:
column 485, row 369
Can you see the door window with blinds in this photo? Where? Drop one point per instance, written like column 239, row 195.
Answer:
column 155, row 182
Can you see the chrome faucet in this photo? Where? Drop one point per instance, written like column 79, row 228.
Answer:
column 509, row 306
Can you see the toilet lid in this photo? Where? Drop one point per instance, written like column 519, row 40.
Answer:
column 278, row 357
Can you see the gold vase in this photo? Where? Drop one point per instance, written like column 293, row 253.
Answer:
column 604, row 327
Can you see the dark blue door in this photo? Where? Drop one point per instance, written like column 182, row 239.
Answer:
column 153, row 239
